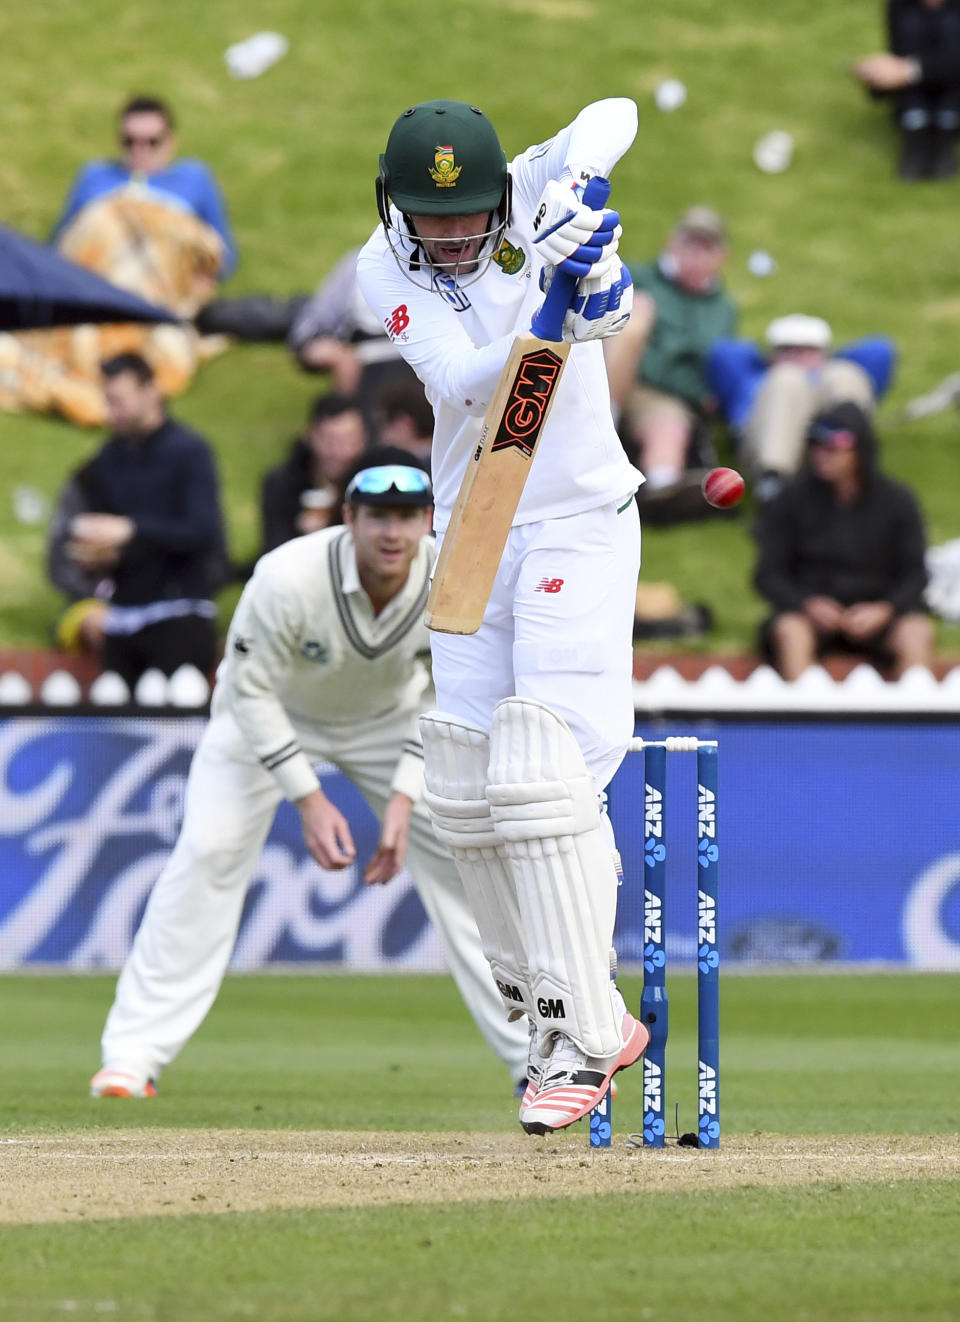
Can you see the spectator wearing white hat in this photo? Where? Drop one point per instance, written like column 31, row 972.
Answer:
column 769, row 398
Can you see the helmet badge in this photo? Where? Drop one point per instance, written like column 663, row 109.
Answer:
column 445, row 172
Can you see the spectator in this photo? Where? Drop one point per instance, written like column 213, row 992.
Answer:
column 841, row 556
column 153, row 525
column 921, row 72
column 656, row 365
column 336, row 332
column 150, row 224
column 303, row 493
column 770, row 400
column 404, row 418
column 148, row 171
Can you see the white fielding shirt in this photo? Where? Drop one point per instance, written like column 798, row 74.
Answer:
column 304, row 649
column 457, row 339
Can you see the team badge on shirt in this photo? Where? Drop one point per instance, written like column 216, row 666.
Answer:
column 448, row 289
column 313, row 650
column 445, row 172
column 509, row 259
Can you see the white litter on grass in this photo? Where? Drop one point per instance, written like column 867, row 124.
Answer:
column 773, row 152
column 30, row 506
column 251, row 58
column 670, row 95
column 760, row 263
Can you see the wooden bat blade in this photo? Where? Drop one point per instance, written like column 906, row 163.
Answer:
column 493, row 484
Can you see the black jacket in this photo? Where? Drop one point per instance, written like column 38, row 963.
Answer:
column 280, row 496
column 810, row 545
column 167, row 484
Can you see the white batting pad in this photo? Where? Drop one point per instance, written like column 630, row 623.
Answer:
column 546, row 813
column 456, row 757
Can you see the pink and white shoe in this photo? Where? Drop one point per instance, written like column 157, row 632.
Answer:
column 572, row 1083
column 111, row 1082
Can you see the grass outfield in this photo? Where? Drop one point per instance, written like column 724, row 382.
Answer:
column 296, row 151
column 344, row 1147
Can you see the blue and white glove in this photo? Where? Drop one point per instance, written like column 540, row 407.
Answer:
column 601, row 305
column 571, row 236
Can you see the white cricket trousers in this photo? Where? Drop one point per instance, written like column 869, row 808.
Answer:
column 558, row 629
column 181, row 951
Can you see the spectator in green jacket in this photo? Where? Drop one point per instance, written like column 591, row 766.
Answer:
column 656, row 364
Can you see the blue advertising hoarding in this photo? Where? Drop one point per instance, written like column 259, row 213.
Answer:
column 840, row 842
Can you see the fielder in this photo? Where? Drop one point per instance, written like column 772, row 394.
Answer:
column 535, row 709
column 323, row 663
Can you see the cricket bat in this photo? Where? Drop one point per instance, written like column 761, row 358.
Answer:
column 500, row 464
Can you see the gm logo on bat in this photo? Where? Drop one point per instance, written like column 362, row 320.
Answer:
column 527, row 401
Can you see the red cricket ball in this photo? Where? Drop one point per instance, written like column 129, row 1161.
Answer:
column 722, row 487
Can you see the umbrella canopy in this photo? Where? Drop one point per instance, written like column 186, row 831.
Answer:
column 39, row 288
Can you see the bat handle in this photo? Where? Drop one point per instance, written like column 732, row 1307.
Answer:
column 548, row 323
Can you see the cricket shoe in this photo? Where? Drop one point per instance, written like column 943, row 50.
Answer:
column 121, row 1083
column 572, row 1083
column 528, row 1087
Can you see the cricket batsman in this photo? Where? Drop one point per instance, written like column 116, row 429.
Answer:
column 323, row 663
column 535, row 708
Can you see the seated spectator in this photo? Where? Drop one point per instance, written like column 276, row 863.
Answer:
column 150, row 522
column 656, row 364
column 921, row 72
column 335, row 332
column 152, row 224
column 768, row 400
column 155, row 188
column 841, row 556
column 303, row 494
column 404, row 418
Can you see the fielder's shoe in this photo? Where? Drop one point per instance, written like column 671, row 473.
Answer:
column 572, row 1083
column 122, row 1083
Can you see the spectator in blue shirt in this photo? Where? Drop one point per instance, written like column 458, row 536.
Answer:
column 148, row 144
column 768, row 399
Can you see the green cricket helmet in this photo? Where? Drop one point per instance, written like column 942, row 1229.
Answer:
column 443, row 158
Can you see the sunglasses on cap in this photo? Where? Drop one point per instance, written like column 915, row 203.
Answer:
column 390, row 477
column 832, row 438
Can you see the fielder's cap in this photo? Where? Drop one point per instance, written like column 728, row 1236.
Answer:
column 702, row 223
column 798, row 331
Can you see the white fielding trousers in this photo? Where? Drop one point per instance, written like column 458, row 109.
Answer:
column 183, row 946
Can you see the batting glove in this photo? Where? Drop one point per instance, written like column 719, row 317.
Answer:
column 571, row 236
column 601, row 305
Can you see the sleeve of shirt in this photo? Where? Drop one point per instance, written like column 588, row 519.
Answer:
column 76, row 198
column 264, row 635
column 429, row 336
column 325, row 312
column 211, row 207
column 910, row 578
column 598, row 137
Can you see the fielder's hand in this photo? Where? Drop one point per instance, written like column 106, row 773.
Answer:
column 569, row 235
column 392, row 850
column 325, row 831
column 601, row 305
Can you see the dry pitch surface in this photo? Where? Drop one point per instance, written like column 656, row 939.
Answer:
column 151, row 1172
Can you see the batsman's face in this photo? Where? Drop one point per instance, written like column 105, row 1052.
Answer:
column 386, row 538
column 453, row 242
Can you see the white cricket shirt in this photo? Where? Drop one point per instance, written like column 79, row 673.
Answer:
column 304, row 649
column 457, row 339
